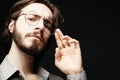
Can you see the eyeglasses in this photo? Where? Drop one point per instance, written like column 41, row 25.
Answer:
column 32, row 19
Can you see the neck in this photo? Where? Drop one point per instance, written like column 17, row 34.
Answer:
column 21, row 60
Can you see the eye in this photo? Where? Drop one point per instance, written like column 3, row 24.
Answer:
column 48, row 24
column 32, row 18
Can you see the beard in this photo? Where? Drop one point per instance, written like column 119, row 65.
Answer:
column 35, row 48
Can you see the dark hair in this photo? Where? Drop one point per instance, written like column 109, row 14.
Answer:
column 16, row 10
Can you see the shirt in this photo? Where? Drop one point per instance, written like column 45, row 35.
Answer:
column 10, row 72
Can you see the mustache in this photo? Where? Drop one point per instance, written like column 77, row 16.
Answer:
column 34, row 34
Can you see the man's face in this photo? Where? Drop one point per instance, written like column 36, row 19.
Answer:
column 31, row 39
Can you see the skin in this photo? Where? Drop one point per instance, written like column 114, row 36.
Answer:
column 68, row 52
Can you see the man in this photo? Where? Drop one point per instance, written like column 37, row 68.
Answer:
column 28, row 29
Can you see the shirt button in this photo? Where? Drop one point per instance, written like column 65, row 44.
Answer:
column 20, row 74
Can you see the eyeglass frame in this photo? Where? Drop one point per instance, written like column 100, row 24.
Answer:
column 35, row 13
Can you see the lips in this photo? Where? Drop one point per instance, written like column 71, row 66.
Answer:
column 37, row 36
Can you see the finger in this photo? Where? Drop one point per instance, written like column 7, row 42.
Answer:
column 74, row 43
column 58, row 35
column 69, row 41
column 59, row 32
column 64, row 40
column 58, row 41
column 57, row 55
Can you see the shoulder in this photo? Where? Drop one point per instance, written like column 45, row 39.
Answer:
column 55, row 77
column 0, row 74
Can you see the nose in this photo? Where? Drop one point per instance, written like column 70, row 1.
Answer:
column 40, row 25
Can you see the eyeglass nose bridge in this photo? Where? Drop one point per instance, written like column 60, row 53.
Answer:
column 40, row 23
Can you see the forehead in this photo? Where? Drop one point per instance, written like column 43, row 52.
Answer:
column 40, row 8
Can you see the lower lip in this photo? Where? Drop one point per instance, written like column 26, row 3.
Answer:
column 35, row 37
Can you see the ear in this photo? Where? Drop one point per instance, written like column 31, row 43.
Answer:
column 11, row 26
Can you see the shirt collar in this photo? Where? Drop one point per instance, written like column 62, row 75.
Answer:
column 8, row 70
column 43, row 73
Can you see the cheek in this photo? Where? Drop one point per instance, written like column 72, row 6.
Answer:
column 18, row 35
column 22, row 25
column 46, row 38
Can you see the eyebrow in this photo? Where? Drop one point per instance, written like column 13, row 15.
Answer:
column 37, row 15
column 51, row 20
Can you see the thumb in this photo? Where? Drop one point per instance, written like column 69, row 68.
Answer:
column 57, row 55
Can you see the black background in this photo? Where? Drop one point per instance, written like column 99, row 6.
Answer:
column 91, row 23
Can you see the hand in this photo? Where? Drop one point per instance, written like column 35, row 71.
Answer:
column 68, row 54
